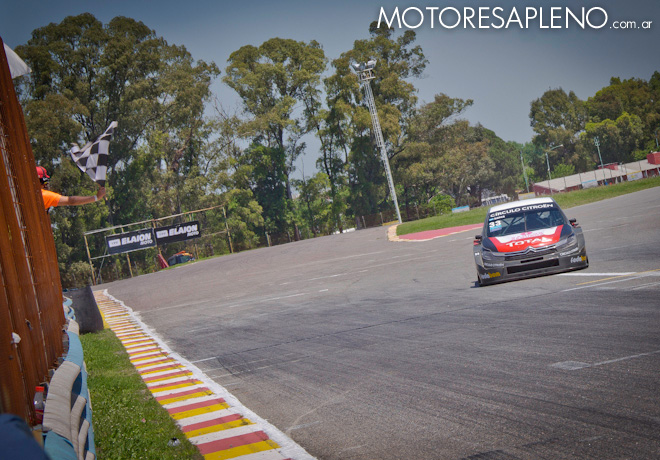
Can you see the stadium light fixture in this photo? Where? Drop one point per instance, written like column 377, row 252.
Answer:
column 365, row 73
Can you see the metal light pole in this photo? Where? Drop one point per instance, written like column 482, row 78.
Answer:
column 597, row 144
column 365, row 73
column 524, row 172
column 602, row 168
column 547, row 161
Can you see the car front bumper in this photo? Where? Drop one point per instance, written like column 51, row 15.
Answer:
column 520, row 266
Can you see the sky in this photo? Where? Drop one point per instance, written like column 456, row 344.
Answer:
column 502, row 69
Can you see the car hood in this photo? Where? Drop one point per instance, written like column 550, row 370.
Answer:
column 522, row 241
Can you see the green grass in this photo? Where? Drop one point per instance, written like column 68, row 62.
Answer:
column 565, row 200
column 128, row 422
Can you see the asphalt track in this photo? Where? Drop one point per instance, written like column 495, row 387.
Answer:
column 358, row 347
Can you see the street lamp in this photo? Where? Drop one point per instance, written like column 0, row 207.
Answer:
column 547, row 161
column 524, row 172
column 597, row 143
column 602, row 168
column 365, row 73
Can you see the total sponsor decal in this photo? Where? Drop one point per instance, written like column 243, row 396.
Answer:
column 579, row 259
column 485, row 276
column 522, row 241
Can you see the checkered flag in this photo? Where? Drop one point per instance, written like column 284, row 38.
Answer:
column 93, row 157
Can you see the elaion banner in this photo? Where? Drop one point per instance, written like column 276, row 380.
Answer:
column 130, row 241
column 178, row 232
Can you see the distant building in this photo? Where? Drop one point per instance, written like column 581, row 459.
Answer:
column 610, row 174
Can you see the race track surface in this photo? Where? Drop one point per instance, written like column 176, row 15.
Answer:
column 361, row 348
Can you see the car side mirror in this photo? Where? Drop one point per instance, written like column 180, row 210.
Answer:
column 477, row 239
column 573, row 222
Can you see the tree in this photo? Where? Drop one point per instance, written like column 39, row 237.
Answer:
column 507, row 174
column 619, row 139
column 635, row 97
column 557, row 118
column 398, row 60
column 442, row 153
column 262, row 170
column 271, row 80
column 85, row 75
column 315, row 205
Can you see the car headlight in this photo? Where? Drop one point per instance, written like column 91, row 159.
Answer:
column 570, row 241
column 487, row 254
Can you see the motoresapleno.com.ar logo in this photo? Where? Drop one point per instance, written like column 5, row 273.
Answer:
column 497, row 17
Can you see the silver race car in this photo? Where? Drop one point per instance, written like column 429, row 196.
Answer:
column 527, row 238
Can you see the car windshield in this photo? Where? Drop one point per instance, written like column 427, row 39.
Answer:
column 515, row 221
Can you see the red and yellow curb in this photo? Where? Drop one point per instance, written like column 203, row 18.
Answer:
column 217, row 429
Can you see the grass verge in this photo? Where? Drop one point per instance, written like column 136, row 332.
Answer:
column 565, row 200
column 128, row 422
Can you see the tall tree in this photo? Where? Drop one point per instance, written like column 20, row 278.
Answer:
column 398, row 60
column 271, row 80
column 619, row 139
column 558, row 118
column 635, row 96
column 437, row 142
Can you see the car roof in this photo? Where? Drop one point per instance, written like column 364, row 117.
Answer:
column 515, row 204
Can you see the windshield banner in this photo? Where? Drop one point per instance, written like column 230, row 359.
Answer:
column 527, row 208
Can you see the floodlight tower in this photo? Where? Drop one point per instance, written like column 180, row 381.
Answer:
column 365, row 73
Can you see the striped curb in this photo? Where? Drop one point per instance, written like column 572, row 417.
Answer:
column 210, row 417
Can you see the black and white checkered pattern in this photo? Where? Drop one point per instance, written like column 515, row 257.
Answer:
column 93, row 157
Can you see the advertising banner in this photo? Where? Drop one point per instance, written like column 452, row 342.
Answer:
column 178, row 232
column 130, row 241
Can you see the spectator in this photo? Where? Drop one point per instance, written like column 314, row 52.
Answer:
column 52, row 199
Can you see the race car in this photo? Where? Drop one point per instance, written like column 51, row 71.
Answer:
column 528, row 238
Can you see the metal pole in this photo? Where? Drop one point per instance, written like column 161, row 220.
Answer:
column 597, row 143
column 231, row 248
column 89, row 257
column 195, row 244
column 524, row 172
column 364, row 77
column 549, row 176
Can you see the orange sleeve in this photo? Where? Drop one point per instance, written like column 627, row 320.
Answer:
column 51, row 199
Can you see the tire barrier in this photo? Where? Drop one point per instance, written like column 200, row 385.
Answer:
column 67, row 424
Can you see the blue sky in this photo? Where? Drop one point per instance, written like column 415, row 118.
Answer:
column 502, row 70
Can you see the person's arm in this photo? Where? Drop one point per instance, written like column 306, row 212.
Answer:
column 78, row 200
